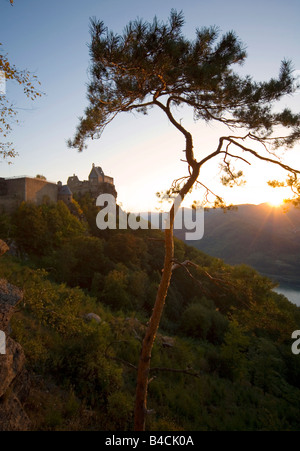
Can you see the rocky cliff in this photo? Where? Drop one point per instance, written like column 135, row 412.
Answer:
column 14, row 381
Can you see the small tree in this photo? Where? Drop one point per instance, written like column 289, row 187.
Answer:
column 7, row 110
column 154, row 65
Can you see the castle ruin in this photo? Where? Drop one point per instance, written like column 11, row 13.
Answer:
column 98, row 183
column 15, row 190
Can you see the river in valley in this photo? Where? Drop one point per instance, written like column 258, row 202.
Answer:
column 293, row 294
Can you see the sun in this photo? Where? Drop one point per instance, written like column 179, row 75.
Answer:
column 275, row 204
column 276, row 200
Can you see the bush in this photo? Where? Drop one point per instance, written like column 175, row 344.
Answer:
column 201, row 320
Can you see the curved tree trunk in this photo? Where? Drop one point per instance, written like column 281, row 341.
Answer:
column 148, row 342
column 145, row 357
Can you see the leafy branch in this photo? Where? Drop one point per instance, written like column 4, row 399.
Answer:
column 8, row 113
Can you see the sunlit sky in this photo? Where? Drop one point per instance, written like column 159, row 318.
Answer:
column 142, row 153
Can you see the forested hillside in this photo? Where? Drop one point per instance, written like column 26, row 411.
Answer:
column 222, row 359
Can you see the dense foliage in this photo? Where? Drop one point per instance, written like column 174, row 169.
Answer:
column 224, row 328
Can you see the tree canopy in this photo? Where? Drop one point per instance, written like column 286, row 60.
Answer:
column 153, row 64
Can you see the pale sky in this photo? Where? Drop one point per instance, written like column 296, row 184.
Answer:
column 142, row 153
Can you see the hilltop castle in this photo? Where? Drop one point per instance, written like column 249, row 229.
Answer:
column 15, row 190
column 98, row 183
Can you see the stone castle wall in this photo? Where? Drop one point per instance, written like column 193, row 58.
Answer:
column 12, row 194
column 108, row 180
column 81, row 188
column 15, row 191
column 37, row 190
column 9, row 204
column 94, row 190
column 16, row 187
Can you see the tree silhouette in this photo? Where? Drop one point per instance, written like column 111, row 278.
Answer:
column 154, row 65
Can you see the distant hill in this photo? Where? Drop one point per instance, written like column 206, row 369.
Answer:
column 265, row 237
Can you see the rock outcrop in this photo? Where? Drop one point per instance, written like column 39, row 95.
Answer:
column 14, row 381
column 92, row 317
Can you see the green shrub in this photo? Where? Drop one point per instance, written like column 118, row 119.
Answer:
column 202, row 321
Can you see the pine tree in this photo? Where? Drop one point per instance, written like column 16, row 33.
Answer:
column 154, row 65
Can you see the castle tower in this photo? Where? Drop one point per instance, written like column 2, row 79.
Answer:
column 64, row 193
column 96, row 175
column 97, row 183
